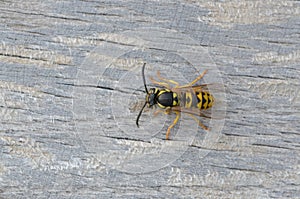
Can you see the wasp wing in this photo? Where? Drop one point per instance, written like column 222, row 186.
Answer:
column 207, row 113
column 195, row 112
column 201, row 87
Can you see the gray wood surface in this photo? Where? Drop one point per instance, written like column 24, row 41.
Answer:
column 71, row 87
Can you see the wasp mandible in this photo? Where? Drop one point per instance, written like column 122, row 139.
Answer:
column 190, row 98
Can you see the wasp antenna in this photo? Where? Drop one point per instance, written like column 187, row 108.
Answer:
column 139, row 115
column 144, row 79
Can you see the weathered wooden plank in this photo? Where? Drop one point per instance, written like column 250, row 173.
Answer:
column 71, row 87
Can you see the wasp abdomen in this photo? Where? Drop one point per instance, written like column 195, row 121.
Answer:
column 200, row 100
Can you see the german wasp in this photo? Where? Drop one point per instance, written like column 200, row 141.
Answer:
column 190, row 98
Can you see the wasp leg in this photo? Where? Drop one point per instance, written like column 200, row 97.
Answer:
column 194, row 81
column 199, row 123
column 158, row 112
column 166, row 111
column 163, row 84
column 167, row 80
column 172, row 125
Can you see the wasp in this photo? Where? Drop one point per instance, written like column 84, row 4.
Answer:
column 190, row 98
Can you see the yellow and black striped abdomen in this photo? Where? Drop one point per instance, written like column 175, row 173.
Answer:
column 200, row 100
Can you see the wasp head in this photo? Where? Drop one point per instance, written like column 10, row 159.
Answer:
column 151, row 97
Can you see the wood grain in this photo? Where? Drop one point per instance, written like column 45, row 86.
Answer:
column 68, row 70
